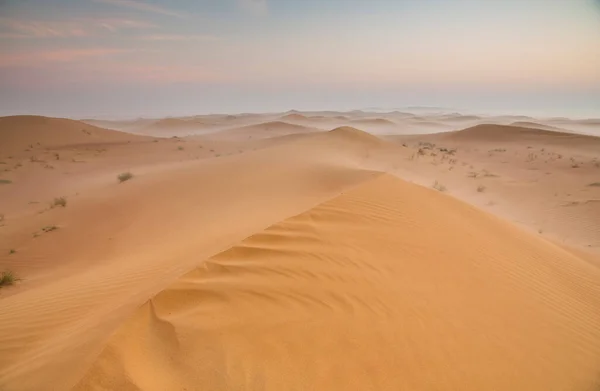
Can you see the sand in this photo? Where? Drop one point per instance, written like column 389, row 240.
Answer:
column 268, row 255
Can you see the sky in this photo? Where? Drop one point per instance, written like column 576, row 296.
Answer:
column 152, row 58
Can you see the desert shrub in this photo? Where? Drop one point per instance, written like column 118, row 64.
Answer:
column 59, row 201
column 124, row 176
column 7, row 278
column 438, row 186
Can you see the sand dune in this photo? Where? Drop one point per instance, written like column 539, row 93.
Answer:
column 18, row 133
column 374, row 122
column 294, row 117
column 535, row 125
column 163, row 225
column 389, row 278
column 177, row 125
column 487, row 132
column 457, row 117
column 263, row 130
column 278, row 256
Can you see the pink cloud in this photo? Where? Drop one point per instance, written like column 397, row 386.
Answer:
column 81, row 27
column 178, row 37
column 141, row 6
column 155, row 74
column 42, row 57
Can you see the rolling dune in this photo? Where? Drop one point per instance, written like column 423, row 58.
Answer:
column 163, row 226
column 263, row 130
column 506, row 133
column 278, row 256
column 18, row 133
column 373, row 122
column 389, row 286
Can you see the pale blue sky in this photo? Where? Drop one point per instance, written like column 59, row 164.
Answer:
column 154, row 58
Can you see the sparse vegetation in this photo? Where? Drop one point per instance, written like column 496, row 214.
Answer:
column 5, row 182
column 438, row 186
column 480, row 189
column 594, row 184
column 180, row 148
column 7, row 278
column 575, row 165
column 59, row 201
column 124, row 176
column 12, row 251
column 473, row 174
column 50, row 228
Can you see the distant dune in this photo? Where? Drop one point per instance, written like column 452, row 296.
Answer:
column 19, row 132
column 535, row 125
column 373, row 122
column 489, row 132
column 457, row 117
column 294, row 117
column 178, row 124
column 263, row 130
column 589, row 121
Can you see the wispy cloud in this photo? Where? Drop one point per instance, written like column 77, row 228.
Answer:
column 160, row 73
column 179, row 37
column 81, row 27
column 143, row 6
column 257, row 7
column 42, row 57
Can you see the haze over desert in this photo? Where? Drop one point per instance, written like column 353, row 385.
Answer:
column 334, row 222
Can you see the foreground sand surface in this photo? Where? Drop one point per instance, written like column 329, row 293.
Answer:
column 270, row 252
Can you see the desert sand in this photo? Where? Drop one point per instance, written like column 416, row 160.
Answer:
column 302, row 250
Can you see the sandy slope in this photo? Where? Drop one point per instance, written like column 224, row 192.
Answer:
column 121, row 244
column 536, row 178
column 389, row 286
column 18, row 133
column 195, row 274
